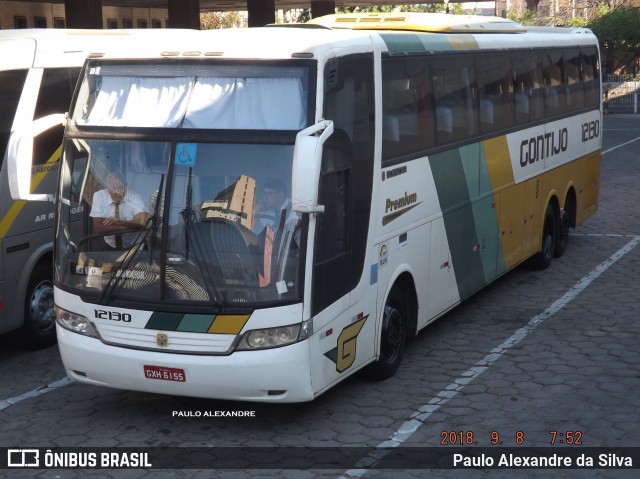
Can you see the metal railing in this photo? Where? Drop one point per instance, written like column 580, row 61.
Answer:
column 621, row 93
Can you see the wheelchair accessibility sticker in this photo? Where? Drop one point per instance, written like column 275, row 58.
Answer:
column 185, row 154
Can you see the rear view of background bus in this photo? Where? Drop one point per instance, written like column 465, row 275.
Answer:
column 38, row 73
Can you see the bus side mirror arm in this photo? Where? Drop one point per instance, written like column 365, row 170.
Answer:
column 307, row 160
column 20, row 157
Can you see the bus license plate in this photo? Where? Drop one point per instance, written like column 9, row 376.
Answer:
column 164, row 374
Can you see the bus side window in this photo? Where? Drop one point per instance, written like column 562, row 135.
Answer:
column 495, row 91
column 573, row 80
column 407, row 106
column 453, row 83
column 554, row 86
column 335, row 185
column 591, row 77
column 54, row 96
column 11, row 84
column 528, row 87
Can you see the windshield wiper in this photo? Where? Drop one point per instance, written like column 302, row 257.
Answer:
column 188, row 216
column 155, row 217
column 151, row 226
column 122, row 266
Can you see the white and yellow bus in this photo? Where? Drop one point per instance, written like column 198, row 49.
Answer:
column 414, row 158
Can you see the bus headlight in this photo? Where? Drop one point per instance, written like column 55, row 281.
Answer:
column 270, row 337
column 75, row 322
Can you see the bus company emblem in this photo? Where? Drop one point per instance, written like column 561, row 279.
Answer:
column 399, row 206
column 162, row 340
column 344, row 354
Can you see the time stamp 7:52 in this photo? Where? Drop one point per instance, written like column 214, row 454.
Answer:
column 469, row 438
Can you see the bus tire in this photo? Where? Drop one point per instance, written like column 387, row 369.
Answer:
column 39, row 325
column 566, row 221
column 542, row 259
column 563, row 235
column 393, row 337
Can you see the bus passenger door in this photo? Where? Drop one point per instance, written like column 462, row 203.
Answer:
column 342, row 302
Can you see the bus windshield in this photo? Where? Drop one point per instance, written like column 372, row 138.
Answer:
column 176, row 188
column 197, row 222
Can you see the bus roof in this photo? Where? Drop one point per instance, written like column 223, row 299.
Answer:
column 420, row 22
column 317, row 40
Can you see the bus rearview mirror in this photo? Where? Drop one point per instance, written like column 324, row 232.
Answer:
column 307, row 160
column 20, row 157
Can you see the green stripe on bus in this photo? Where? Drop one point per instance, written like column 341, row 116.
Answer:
column 403, row 42
column 468, row 205
column 484, row 211
column 164, row 321
column 428, row 42
column 459, row 222
column 196, row 323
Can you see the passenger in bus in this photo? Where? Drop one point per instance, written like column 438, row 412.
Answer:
column 272, row 206
column 116, row 209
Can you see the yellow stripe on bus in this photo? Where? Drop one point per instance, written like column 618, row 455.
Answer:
column 228, row 324
column 16, row 207
column 496, row 152
column 463, row 42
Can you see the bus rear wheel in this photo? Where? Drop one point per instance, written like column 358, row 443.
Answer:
column 542, row 259
column 39, row 326
column 393, row 337
column 566, row 221
column 563, row 234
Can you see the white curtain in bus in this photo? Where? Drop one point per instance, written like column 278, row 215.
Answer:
column 246, row 103
column 141, row 101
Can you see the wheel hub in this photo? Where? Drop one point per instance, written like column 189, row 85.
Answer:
column 41, row 306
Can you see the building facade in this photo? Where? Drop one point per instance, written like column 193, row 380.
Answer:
column 26, row 14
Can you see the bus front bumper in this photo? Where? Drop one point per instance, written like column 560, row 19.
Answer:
column 269, row 375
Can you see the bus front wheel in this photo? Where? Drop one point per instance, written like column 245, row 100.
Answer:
column 39, row 325
column 393, row 337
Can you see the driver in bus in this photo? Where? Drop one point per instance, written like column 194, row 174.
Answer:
column 270, row 209
column 115, row 209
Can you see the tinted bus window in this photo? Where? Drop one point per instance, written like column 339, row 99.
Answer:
column 495, row 92
column 56, row 90
column 553, row 78
column 528, row 87
column 11, row 83
column 573, row 80
column 407, row 102
column 452, row 79
column 591, row 76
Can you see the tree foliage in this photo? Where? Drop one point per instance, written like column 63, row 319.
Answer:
column 214, row 20
column 619, row 34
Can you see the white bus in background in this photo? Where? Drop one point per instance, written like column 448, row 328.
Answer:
column 424, row 157
column 39, row 69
